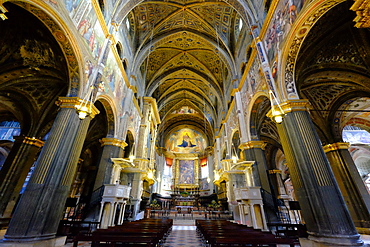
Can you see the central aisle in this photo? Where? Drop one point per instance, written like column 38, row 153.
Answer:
column 183, row 234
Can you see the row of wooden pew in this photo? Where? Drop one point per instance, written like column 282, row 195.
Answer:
column 145, row 232
column 221, row 233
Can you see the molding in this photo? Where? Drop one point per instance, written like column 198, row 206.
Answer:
column 113, row 142
column 253, row 144
column 336, row 146
column 32, row 141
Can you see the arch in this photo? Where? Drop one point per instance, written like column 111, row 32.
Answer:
column 119, row 49
column 254, row 116
column 111, row 112
column 300, row 30
column 59, row 29
column 235, row 143
column 130, row 148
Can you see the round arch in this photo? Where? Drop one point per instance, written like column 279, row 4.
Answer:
column 259, row 100
column 60, row 31
column 300, row 30
column 110, row 110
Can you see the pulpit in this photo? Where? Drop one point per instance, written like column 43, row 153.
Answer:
column 114, row 197
column 251, row 207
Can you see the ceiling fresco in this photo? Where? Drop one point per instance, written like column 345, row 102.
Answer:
column 185, row 54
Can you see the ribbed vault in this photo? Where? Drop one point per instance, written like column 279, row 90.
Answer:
column 185, row 53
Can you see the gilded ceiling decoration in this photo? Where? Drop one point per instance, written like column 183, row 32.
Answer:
column 362, row 8
column 185, row 56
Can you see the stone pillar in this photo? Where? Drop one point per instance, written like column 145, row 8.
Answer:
column 136, row 192
column 41, row 207
column 149, row 122
column 323, row 208
column 253, row 150
column 350, row 183
column 15, row 170
column 113, row 148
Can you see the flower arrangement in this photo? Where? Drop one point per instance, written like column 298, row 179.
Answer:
column 214, row 205
column 155, row 204
column 184, row 194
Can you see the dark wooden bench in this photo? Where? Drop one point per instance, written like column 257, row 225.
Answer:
column 218, row 233
column 108, row 239
column 4, row 223
column 146, row 232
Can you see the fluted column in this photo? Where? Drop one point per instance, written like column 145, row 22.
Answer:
column 253, row 150
column 41, row 206
column 15, row 170
column 112, row 148
column 327, row 218
column 350, row 183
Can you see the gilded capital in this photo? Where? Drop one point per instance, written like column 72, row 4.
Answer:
column 336, row 146
column 30, row 141
column 113, row 142
column 68, row 102
column 295, row 105
column 274, row 171
column 362, row 9
column 253, row 144
column 75, row 103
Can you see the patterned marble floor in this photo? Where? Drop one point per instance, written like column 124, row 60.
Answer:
column 183, row 234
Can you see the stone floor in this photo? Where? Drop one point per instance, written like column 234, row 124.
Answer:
column 183, row 234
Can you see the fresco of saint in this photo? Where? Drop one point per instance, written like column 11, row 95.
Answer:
column 186, row 142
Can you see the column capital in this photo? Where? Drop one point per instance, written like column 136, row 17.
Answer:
column 336, row 146
column 274, row 171
column 75, row 103
column 361, row 7
column 253, row 144
column 295, row 105
column 113, row 142
column 278, row 111
column 32, row 141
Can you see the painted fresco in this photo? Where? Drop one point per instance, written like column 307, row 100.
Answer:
column 185, row 110
column 356, row 136
column 204, row 185
column 285, row 14
column 112, row 78
column 186, row 172
column 86, row 21
column 186, row 141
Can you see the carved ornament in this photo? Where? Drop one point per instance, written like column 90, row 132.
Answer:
column 336, row 146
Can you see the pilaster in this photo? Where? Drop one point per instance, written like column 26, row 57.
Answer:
column 254, row 150
column 15, row 170
column 327, row 218
column 41, row 206
column 350, row 183
column 112, row 148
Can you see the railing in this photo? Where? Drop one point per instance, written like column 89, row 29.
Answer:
column 97, row 196
column 277, row 206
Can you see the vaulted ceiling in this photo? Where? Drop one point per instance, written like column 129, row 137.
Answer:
column 185, row 52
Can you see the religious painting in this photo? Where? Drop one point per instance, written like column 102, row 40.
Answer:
column 356, row 136
column 204, row 185
column 85, row 19
column 185, row 110
column 186, row 168
column 186, row 141
column 285, row 14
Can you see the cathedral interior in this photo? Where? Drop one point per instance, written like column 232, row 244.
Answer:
column 117, row 110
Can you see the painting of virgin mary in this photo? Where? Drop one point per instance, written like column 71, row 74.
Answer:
column 186, row 141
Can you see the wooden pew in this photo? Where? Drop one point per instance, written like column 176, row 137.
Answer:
column 146, row 232
column 218, row 233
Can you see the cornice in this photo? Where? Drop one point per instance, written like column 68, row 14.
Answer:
column 336, row 146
